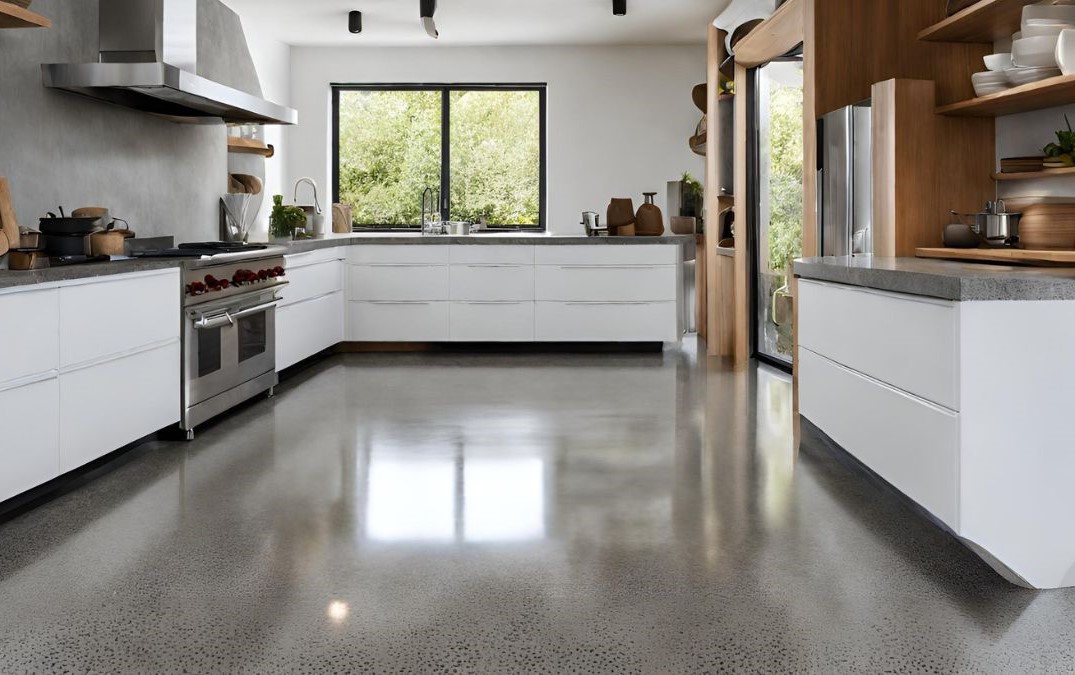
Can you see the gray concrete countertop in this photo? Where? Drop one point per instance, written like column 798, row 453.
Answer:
column 12, row 279
column 944, row 279
column 493, row 238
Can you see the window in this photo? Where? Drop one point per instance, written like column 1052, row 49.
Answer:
column 481, row 146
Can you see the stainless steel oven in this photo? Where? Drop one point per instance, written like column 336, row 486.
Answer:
column 229, row 335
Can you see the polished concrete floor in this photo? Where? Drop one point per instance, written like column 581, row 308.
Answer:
column 506, row 513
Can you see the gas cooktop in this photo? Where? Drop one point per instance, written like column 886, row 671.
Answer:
column 201, row 249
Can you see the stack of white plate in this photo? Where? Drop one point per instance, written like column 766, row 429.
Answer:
column 1035, row 47
column 989, row 82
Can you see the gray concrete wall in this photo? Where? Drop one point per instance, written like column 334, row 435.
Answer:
column 58, row 148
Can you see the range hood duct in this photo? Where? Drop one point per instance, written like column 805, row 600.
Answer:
column 149, row 61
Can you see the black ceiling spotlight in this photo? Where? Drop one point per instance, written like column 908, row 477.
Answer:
column 354, row 22
column 428, row 9
column 619, row 7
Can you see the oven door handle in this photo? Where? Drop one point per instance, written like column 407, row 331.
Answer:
column 254, row 310
column 209, row 322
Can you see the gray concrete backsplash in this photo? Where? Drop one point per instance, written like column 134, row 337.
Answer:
column 59, row 148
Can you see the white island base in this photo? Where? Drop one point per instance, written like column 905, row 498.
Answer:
column 965, row 407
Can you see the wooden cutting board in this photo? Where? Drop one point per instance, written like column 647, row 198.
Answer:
column 1012, row 256
column 7, row 218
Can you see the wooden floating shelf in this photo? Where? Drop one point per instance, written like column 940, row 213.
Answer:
column 698, row 143
column 1055, row 91
column 249, row 147
column 1015, row 256
column 1034, row 175
column 984, row 21
column 13, row 16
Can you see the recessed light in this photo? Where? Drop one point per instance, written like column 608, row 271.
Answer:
column 354, row 22
column 619, row 7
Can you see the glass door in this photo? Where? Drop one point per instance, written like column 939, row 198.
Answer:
column 776, row 103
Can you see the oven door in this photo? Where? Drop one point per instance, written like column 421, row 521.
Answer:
column 228, row 344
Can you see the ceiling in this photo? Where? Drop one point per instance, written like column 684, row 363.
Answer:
column 481, row 22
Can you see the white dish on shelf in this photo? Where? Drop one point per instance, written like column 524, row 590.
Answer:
column 1020, row 76
column 1065, row 52
column 1064, row 13
column 987, row 89
column 998, row 62
column 1045, row 29
column 1035, row 52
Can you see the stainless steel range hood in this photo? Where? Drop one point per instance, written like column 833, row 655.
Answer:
column 148, row 61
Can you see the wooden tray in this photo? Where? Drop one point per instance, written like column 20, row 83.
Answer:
column 1012, row 256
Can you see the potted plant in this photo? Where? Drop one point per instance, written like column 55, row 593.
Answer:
column 284, row 220
column 693, row 199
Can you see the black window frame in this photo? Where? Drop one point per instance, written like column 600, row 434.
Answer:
column 446, row 158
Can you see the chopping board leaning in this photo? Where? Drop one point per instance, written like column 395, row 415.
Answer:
column 7, row 218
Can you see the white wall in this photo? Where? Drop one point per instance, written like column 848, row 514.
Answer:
column 272, row 60
column 619, row 117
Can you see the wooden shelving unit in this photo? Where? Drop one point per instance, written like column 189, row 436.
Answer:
column 249, row 147
column 1034, row 175
column 984, row 21
column 1049, row 93
column 13, row 16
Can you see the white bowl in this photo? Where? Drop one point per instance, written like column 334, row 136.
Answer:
column 1045, row 30
column 1053, row 12
column 989, row 77
column 1020, row 76
column 999, row 62
column 1017, row 36
column 1035, row 52
column 987, row 89
column 1065, row 51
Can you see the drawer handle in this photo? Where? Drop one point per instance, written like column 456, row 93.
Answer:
column 494, row 302
column 403, row 265
column 481, row 266
column 399, row 302
column 608, row 267
column 612, row 304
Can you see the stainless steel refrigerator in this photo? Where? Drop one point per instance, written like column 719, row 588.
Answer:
column 845, row 181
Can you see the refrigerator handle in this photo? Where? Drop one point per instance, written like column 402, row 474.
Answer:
column 819, row 211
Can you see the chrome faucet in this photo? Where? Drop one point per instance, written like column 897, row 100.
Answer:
column 430, row 206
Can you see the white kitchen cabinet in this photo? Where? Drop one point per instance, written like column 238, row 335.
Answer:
column 29, row 332
column 492, row 321
column 30, row 451
column 108, row 405
column 606, row 321
column 398, row 321
column 311, row 315
column 909, row 342
column 911, row 443
column 512, row 293
column 308, row 327
column 108, row 316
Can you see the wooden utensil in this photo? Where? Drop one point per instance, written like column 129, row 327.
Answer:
column 7, row 217
column 1048, row 227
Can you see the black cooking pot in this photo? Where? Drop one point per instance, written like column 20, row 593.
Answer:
column 64, row 225
column 57, row 245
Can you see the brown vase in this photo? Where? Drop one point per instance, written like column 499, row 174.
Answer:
column 650, row 220
column 621, row 217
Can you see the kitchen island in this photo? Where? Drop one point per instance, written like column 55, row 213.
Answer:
column 950, row 382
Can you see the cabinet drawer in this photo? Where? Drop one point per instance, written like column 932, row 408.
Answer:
column 398, row 322
column 311, row 281
column 30, row 333
column 912, row 444
column 306, row 328
column 908, row 342
column 492, row 322
column 144, row 389
column 398, row 282
column 597, row 283
column 476, row 254
column 321, row 255
column 429, row 254
column 491, row 282
column 606, row 322
column 108, row 317
column 30, row 451
column 608, row 254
